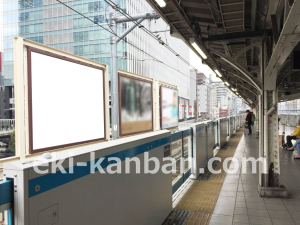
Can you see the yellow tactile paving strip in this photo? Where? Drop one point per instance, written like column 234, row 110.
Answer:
column 202, row 197
column 198, row 218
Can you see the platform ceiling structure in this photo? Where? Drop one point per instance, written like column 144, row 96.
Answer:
column 234, row 34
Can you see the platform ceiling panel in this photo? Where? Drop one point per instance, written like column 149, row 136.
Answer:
column 227, row 27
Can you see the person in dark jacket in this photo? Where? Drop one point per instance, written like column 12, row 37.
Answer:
column 249, row 121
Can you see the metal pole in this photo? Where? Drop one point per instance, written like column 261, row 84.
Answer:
column 197, row 116
column 261, row 116
column 266, row 141
column 210, row 97
column 148, row 15
column 114, row 77
column 130, row 29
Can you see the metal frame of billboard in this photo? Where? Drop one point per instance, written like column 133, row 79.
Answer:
column 22, row 79
column 126, row 74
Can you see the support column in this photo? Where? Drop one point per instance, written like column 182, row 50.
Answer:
column 260, row 128
column 269, row 185
column 273, row 144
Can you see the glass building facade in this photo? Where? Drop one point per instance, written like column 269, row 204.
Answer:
column 51, row 23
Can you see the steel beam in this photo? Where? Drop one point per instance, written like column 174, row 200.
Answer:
column 238, row 67
column 239, row 77
column 289, row 38
column 237, row 43
column 123, row 19
column 138, row 22
column 244, row 50
column 275, row 27
column 273, row 5
column 237, row 35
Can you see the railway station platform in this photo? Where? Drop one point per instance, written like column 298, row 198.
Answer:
column 189, row 194
column 94, row 173
column 233, row 198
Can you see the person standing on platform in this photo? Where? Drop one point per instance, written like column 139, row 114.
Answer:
column 252, row 118
column 249, row 121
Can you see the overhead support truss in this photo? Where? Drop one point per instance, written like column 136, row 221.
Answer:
column 231, row 33
column 244, row 50
column 242, row 70
column 241, row 78
column 238, row 35
column 288, row 39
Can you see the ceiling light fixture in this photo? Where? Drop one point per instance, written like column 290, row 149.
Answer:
column 197, row 48
column 218, row 73
column 161, row 3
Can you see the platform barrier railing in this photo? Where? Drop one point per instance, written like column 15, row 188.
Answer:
column 6, row 202
column 186, row 145
column 216, row 133
column 289, row 119
column 194, row 141
column 181, row 151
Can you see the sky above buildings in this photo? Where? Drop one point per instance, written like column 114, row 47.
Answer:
column 197, row 62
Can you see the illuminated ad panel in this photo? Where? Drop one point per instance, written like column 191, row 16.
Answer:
column 136, row 112
column 66, row 101
column 169, row 107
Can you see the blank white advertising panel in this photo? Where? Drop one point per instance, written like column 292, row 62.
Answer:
column 66, row 101
column 169, row 107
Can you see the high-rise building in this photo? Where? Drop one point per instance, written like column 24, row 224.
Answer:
column 193, row 90
column 216, row 111
column 51, row 23
column 218, row 90
column 203, row 96
column 239, row 105
column 289, row 107
column 1, row 63
column 298, row 104
column 214, row 101
column 224, row 99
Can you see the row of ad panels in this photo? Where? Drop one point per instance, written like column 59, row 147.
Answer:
column 61, row 100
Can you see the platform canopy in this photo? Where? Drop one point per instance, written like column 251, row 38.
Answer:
column 234, row 35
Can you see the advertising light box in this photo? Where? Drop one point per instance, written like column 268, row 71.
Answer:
column 169, row 107
column 136, row 110
column 65, row 101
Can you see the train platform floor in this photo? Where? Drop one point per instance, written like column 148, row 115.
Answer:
column 233, row 198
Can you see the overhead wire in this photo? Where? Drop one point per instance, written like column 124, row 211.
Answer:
column 123, row 38
column 124, row 13
column 154, row 58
